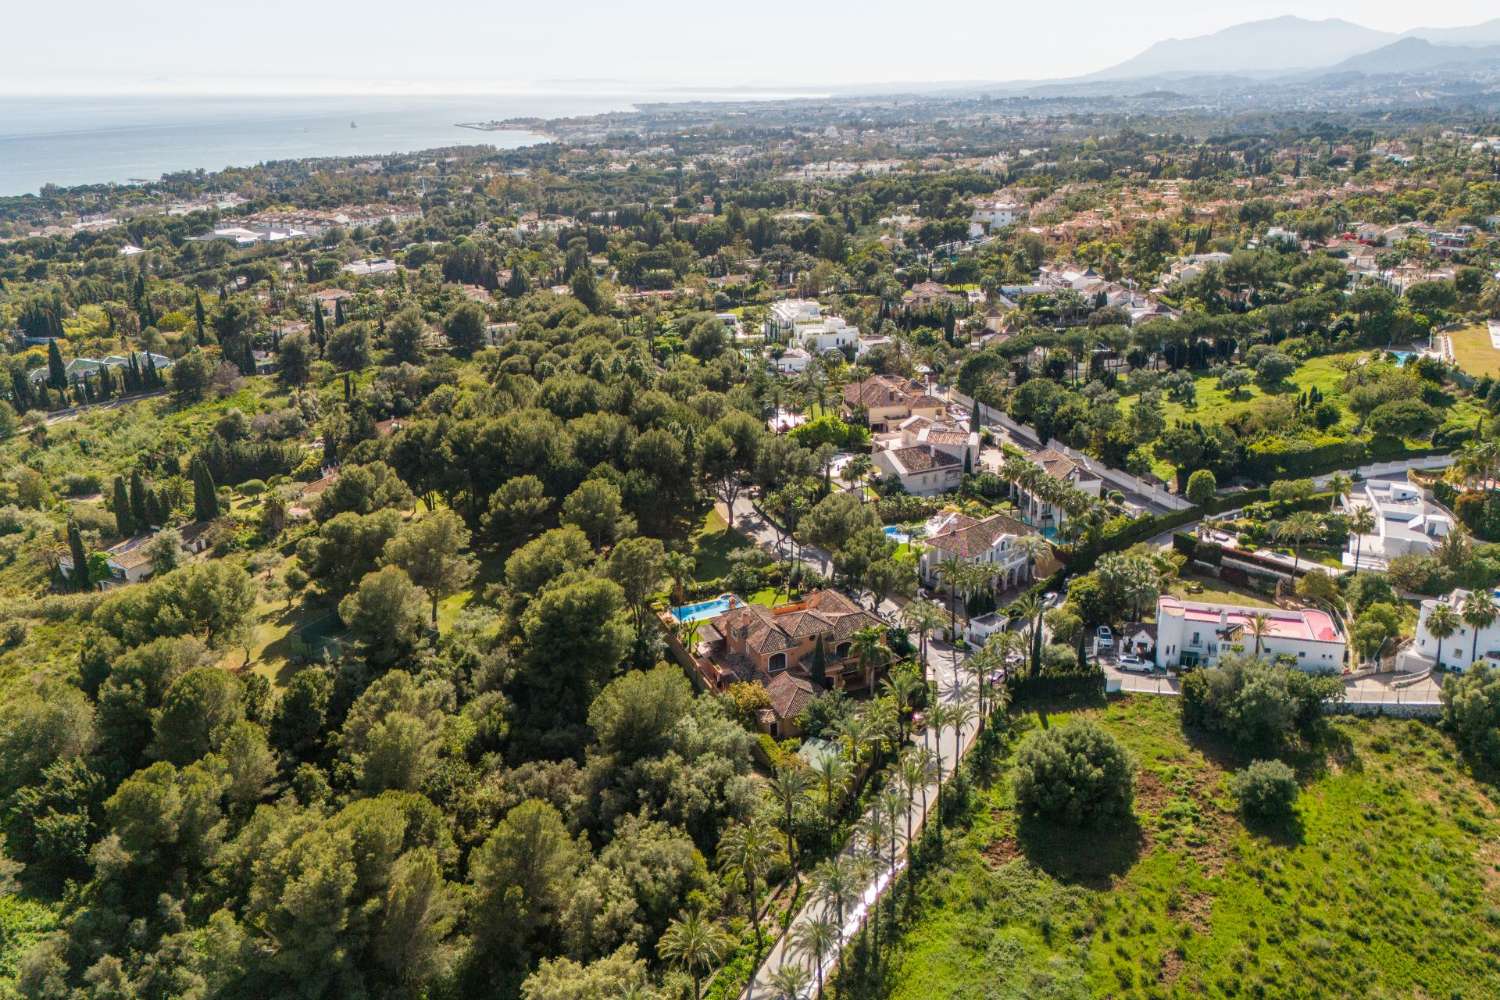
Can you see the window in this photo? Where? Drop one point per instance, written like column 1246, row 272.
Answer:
column 843, row 649
column 777, row 663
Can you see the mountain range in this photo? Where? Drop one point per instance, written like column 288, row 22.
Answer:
column 1286, row 45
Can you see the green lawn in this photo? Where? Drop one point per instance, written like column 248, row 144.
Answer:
column 1211, row 589
column 712, row 545
column 1385, row 885
column 1474, row 352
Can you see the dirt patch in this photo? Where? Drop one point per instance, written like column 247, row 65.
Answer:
column 1001, row 852
column 1196, row 910
column 1171, row 967
column 1150, row 794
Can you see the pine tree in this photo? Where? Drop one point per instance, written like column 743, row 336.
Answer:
column 57, row 372
column 80, row 577
column 205, row 494
column 124, row 521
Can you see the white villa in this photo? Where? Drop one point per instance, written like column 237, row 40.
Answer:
column 996, row 213
column 1459, row 649
column 1197, row 633
column 1405, row 524
column 1043, row 515
column 991, row 541
column 801, row 323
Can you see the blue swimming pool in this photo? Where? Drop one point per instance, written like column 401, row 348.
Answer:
column 897, row 534
column 1402, row 357
column 706, row 609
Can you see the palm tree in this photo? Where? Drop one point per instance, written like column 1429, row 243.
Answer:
column 1029, row 609
column 831, row 771
column 871, row 651
column 923, row 617
column 747, row 851
column 1442, row 621
column 937, row 718
column 789, row 784
column 1479, row 612
column 790, row 982
column 1339, row 485
column 695, row 944
column 1260, row 627
column 960, row 714
column 837, row 883
column 814, row 938
column 1034, row 547
column 679, row 566
column 973, row 579
column 902, row 686
column 1362, row 523
column 1297, row 529
column 949, row 574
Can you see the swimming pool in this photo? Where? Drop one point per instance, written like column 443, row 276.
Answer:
column 897, row 534
column 1402, row 357
column 706, row 609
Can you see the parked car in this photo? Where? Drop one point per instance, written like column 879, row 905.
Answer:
column 1134, row 664
column 1104, row 638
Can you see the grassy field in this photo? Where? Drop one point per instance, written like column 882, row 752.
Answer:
column 1213, row 405
column 713, row 543
column 1474, row 352
column 1210, row 589
column 1386, row 884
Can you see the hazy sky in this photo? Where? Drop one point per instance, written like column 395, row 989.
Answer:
column 342, row 46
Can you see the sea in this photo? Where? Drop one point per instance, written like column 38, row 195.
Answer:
column 69, row 141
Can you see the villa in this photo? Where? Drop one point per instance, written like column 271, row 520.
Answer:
column 801, row 323
column 990, row 542
column 1460, row 649
column 886, row 401
column 1040, row 513
column 757, row 644
column 1198, row 633
column 928, row 456
column 1405, row 524
column 80, row 368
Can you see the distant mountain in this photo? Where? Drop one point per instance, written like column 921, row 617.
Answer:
column 1487, row 33
column 1416, row 55
column 1279, row 45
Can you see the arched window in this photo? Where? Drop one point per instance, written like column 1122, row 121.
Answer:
column 842, row 650
column 777, row 663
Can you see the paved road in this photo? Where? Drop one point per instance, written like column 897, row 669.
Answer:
column 749, row 521
column 73, row 412
column 945, row 664
column 1371, row 689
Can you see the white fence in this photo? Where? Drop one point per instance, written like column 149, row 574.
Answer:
column 1122, row 481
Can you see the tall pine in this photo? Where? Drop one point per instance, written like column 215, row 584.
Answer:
column 205, row 494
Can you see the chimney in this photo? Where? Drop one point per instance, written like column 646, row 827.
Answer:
column 1223, row 617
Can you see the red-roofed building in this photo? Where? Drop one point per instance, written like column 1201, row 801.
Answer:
column 1197, row 634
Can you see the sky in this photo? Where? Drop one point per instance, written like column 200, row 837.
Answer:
column 610, row 46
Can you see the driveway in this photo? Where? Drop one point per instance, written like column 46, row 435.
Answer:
column 944, row 663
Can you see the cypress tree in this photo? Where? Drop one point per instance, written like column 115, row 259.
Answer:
column 80, row 577
column 338, row 312
column 57, row 372
column 156, row 508
column 138, row 509
column 199, row 317
column 20, row 390
column 205, row 493
column 247, row 359
column 124, row 521
column 820, row 665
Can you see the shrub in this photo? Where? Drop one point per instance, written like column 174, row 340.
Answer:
column 1201, row 486
column 1267, row 789
column 1257, row 705
column 1077, row 774
column 1471, row 712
